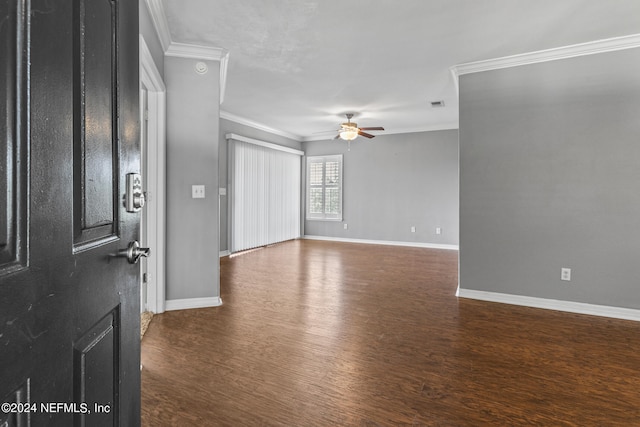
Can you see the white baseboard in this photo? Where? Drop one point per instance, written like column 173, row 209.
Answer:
column 552, row 304
column 384, row 242
column 224, row 253
column 188, row 303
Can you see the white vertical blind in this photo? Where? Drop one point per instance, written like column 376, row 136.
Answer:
column 265, row 193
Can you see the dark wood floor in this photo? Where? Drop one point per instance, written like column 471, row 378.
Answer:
column 321, row 334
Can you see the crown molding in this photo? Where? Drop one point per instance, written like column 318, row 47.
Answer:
column 159, row 18
column 194, row 51
column 149, row 67
column 432, row 128
column 319, row 137
column 224, row 63
column 444, row 126
column 205, row 53
column 253, row 124
column 572, row 51
column 182, row 50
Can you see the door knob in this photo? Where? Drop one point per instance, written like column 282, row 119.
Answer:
column 134, row 252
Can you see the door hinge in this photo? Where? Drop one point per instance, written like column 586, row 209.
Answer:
column 146, row 115
column 144, row 277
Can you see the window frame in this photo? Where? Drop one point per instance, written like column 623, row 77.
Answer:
column 324, row 216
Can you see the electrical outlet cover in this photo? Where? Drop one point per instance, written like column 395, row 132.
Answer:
column 197, row 191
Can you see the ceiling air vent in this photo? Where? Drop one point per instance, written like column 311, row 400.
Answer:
column 437, row 104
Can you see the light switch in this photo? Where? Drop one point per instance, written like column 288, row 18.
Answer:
column 197, row 191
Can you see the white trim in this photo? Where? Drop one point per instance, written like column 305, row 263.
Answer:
column 224, row 253
column 241, row 138
column 149, row 74
column 193, row 51
column 253, row 124
column 159, row 18
column 432, row 128
column 456, row 83
column 224, row 64
column 189, row 303
column 183, row 50
column 551, row 304
column 384, row 242
column 207, row 53
column 581, row 49
column 151, row 80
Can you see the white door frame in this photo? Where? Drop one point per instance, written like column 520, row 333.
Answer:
column 151, row 81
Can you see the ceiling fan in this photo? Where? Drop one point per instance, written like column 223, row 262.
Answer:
column 350, row 130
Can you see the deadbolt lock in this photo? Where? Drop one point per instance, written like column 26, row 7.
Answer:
column 134, row 197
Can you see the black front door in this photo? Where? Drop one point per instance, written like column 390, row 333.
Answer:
column 69, row 129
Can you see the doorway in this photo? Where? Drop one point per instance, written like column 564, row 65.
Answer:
column 153, row 163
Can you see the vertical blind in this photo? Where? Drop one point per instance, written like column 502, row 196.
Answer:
column 264, row 193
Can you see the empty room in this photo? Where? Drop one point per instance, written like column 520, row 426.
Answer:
column 469, row 260
column 320, row 213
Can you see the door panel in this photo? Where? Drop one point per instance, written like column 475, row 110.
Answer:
column 95, row 370
column 13, row 142
column 95, row 157
column 69, row 308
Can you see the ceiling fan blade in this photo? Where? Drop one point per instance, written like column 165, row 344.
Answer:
column 337, row 136
column 366, row 135
column 373, row 128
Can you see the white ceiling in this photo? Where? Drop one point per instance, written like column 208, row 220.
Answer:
column 298, row 65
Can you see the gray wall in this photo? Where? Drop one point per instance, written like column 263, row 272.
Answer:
column 394, row 182
column 227, row 126
column 192, row 155
column 550, row 178
column 150, row 36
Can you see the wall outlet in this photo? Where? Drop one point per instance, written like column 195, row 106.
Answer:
column 345, row 225
column 565, row 274
column 438, row 230
column 197, row 191
column 413, row 229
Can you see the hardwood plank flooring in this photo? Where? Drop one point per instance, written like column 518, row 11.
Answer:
column 318, row 333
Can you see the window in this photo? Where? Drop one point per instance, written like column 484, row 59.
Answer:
column 324, row 187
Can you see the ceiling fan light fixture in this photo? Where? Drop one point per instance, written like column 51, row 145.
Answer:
column 349, row 133
column 349, row 130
